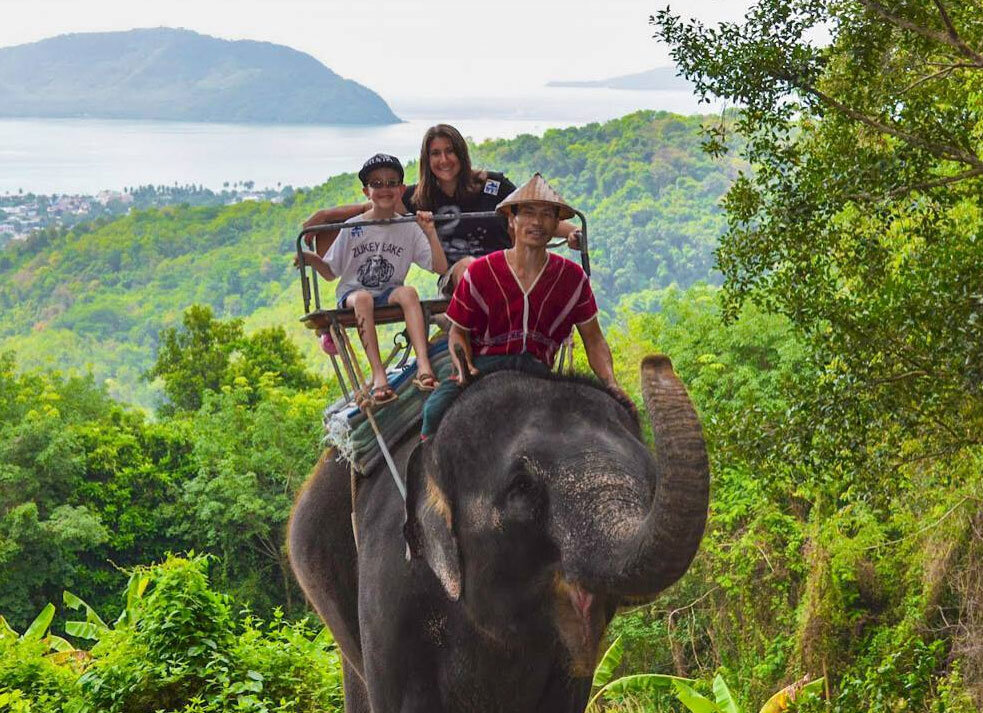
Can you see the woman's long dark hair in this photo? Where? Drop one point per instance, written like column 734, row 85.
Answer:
column 468, row 180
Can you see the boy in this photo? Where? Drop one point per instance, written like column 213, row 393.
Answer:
column 371, row 263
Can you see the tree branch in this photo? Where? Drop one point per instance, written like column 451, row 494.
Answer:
column 897, row 377
column 937, row 182
column 934, row 75
column 950, row 38
column 957, row 41
column 952, row 153
column 921, row 186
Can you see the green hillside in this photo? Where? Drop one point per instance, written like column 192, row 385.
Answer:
column 96, row 297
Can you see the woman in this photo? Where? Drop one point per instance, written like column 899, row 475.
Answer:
column 448, row 184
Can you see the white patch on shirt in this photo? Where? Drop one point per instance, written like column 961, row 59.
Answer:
column 491, row 187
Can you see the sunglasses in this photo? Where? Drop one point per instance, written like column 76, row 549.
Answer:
column 391, row 183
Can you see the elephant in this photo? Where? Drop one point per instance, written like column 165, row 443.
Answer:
column 531, row 515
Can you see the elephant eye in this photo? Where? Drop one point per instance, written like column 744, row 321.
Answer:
column 522, row 484
column 524, row 495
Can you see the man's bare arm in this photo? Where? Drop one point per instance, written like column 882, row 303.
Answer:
column 598, row 352
column 570, row 232
column 337, row 214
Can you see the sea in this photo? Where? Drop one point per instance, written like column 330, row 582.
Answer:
column 85, row 156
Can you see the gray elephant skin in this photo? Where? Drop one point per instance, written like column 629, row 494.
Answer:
column 534, row 512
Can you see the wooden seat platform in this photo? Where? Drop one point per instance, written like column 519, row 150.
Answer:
column 322, row 319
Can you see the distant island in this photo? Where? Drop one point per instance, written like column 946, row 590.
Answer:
column 179, row 75
column 658, row 79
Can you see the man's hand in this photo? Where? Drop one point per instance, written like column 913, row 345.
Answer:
column 573, row 239
column 459, row 344
column 615, row 389
column 317, row 218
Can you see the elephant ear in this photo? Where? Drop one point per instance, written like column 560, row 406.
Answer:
column 429, row 528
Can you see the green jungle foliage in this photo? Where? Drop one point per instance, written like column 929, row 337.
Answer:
column 862, row 225
column 88, row 486
column 837, row 373
column 98, row 296
column 805, row 569
column 808, row 568
column 649, row 193
column 179, row 646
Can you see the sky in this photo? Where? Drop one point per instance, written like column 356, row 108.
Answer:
column 402, row 48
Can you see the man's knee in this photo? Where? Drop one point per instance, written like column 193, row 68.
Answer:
column 437, row 404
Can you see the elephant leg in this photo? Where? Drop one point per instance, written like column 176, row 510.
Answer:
column 356, row 695
column 323, row 556
column 565, row 694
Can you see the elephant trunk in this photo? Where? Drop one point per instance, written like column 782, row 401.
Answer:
column 656, row 552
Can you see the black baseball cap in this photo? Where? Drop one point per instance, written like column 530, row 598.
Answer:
column 380, row 160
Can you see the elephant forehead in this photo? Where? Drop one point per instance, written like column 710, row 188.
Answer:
column 480, row 512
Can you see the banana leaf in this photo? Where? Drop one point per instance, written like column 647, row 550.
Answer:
column 134, row 592
column 781, row 700
column 608, row 663
column 636, row 683
column 35, row 632
column 725, row 700
column 85, row 630
column 6, row 630
column 693, row 700
column 73, row 602
column 56, row 643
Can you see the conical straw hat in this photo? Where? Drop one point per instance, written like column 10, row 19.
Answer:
column 536, row 190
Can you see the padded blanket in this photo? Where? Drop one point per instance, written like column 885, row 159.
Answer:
column 349, row 431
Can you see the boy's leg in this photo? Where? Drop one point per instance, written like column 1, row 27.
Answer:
column 407, row 298
column 361, row 301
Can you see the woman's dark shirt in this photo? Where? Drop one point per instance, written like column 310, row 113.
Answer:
column 461, row 238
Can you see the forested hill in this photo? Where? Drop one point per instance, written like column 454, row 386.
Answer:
column 97, row 296
column 179, row 75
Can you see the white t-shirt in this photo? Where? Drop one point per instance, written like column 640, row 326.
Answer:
column 376, row 257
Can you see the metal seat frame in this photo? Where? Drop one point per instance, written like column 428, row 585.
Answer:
column 336, row 323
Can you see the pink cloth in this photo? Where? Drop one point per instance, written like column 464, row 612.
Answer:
column 327, row 345
column 502, row 319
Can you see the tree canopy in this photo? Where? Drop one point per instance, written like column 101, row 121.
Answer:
column 862, row 219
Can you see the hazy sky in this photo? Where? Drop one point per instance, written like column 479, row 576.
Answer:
column 402, row 47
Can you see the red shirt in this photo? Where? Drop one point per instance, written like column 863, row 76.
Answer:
column 503, row 319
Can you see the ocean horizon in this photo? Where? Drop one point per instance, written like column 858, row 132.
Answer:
column 85, row 156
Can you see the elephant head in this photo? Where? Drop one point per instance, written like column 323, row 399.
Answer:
column 539, row 507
